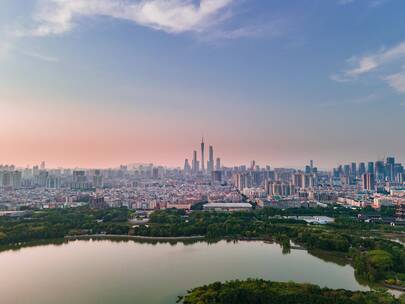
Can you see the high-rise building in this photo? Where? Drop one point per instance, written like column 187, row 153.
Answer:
column 278, row 188
column 346, row 170
column 35, row 171
column 389, row 168
column 308, row 181
column 379, row 170
column 216, row 176
column 362, row 168
column 299, row 180
column 155, row 173
column 98, row 179
column 42, row 165
column 16, row 178
column 398, row 172
column 53, row 182
column 5, row 178
column 368, row 181
column 79, row 179
column 370, row 167
column 187, row 168
column 42, row 178
column 194, row 164
column 242, row 180
column 353, row 169
column 202, row 155
column 218, row 164
column 210, row 164
column 252, row 165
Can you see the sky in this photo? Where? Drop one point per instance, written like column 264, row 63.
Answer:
column 99, row 83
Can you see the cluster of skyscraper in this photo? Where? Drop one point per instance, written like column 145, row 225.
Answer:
column 374, row 173
column 200, row 166
column 39, row 176
column 10, row 177
column 283, row 182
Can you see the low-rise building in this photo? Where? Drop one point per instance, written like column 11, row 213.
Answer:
column 228, row 207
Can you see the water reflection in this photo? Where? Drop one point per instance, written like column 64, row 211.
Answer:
column 125, row 271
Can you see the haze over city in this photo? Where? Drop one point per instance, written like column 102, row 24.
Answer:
column 102, row 83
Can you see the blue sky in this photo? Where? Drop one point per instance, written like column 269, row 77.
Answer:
column 281, row 82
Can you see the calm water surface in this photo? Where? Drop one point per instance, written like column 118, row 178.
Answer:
column 86, row 272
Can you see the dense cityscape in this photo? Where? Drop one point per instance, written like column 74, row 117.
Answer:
column 202, row 152
column 205, row 182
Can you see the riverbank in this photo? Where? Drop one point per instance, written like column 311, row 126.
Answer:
column 20, row 245
column 134, row 237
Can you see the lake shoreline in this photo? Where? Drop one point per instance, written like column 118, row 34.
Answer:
column 326, row 256
column 134, row 237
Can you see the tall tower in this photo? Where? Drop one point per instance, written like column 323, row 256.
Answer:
column 210, row 159
column 202, row 156
column 195, row 162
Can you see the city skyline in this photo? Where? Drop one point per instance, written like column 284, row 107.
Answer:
column 215, row 140
column 99, row 83
column 195, row 160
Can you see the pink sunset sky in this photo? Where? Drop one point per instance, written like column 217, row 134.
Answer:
column 103, row 83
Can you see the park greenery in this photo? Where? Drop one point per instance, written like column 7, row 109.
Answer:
column 375, row 258
column 261, row 292
column 57, row 223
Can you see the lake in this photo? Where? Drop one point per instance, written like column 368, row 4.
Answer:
column 106, row 271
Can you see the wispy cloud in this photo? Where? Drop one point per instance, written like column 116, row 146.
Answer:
column 371, row 62
column 173, row 16
column 272, row 29
column 397, row 81
column 377, row 61
column 9, row 46
column 38, row 56
column 358, row 100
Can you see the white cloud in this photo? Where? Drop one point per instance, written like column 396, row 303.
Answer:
column 397, row 81
column 174, row 16
column 38, row 56
column 379, row 61
column 363, row 65
column 371, row 62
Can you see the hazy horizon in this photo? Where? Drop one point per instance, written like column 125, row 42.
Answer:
column 101, row 83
